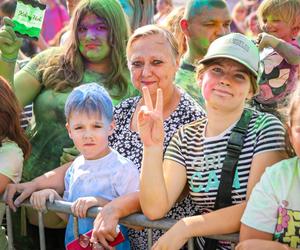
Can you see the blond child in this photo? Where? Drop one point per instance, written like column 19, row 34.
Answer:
column 100, row 174
column 280, row 53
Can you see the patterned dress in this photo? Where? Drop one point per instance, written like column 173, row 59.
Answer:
column 128, row 144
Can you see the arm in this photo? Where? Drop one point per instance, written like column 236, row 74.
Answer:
column 161, row 183
column 290, row 53
column 213, row 222
column 106, row 221
column 25, row 86
column 53, row 179
column 263, row 245
column 9, row 49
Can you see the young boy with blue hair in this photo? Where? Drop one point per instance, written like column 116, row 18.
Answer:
column 100, row 174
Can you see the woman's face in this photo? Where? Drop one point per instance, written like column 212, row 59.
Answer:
column 225, row 85
column 152, row 63
column 93, row 36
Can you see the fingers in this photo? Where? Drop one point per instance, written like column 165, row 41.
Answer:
column 159, row 102
column 8, row 22
column 11, row 190
column 147, row 98
column 79, row 208
column 38, row 201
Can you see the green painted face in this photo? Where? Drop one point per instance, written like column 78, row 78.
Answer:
column 93, row 35
column 204, row 28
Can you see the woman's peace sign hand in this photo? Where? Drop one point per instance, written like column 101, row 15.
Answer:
column 150, row 120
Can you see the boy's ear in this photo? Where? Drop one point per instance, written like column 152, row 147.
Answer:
column 184, row 25
column 69, row 130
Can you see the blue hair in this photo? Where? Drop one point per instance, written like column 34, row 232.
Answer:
column 90, row 98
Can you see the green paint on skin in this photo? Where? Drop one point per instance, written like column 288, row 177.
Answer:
column 196, row 7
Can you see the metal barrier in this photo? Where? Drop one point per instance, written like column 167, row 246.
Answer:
column 134, row 220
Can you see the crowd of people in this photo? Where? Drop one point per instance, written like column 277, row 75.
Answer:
column 191, row 113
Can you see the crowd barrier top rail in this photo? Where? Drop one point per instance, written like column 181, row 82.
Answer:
column 136, row 219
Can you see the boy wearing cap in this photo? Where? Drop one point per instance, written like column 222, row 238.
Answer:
column 196, row 154
column 202, row 23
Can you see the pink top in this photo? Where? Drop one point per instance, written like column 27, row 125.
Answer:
column 54, row 20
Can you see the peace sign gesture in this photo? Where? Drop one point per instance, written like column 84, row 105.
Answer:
column 150, row 120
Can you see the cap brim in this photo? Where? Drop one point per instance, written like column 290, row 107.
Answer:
column 204, row 60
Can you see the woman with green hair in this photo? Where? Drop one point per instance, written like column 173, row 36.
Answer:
column 94, row 52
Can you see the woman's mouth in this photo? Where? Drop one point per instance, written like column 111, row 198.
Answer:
column 221, row 92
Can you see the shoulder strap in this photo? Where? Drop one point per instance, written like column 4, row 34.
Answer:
column 234, row 148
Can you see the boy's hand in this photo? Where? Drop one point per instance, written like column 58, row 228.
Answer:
column 266, row 40
column 38, row 199
column 81, row 205
column 9, row 42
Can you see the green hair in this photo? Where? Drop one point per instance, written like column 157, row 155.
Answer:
column 195, row 7
column 66, row 70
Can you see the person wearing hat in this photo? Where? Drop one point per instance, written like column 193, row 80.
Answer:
column 202, row 23
column 197, row 153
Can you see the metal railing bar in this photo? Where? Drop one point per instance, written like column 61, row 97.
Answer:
column 134, row 219
column 9, row 228
column 41, row 231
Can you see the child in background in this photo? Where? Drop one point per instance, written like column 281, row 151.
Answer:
column 280, row 21
column 273, row 210
column 14, row 146
column 100, row 173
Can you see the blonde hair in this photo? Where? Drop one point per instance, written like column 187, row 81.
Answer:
column 152, row 29
column 172, row 24
column 202, row 67
column 286, row 10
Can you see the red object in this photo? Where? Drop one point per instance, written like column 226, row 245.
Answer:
column 75, row 245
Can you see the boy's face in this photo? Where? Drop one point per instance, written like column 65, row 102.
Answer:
column 89, row 133
column 275, row 26
column 225, row 85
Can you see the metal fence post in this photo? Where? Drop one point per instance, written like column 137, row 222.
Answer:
column 9, row 229
column 41, row 231
column 191, row 244
column 150, row 239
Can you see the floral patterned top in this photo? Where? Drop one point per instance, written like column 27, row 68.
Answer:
column 128, row 144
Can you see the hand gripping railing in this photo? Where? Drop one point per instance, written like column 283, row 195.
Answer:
column 134, row 220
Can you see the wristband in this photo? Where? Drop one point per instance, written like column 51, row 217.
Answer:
column 8, row 60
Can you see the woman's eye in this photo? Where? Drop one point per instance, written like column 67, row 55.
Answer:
column 101, row 27
column 137, row 64
column 78, row 128
column 217, row 70
column 240, row 76
column 156, row 62
column 81, row 29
